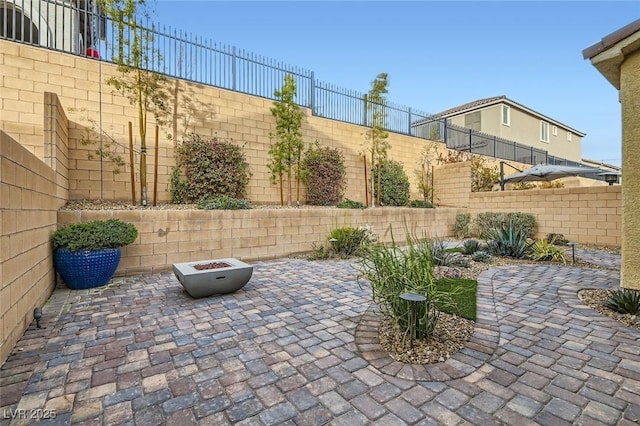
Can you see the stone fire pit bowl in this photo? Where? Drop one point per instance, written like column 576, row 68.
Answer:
column 208, row 277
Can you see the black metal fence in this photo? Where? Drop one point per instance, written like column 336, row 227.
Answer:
column 79, row 28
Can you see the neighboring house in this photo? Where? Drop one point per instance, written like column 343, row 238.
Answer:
column 68, row 25
column 506, row 119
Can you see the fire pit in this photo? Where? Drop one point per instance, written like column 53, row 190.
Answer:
column 208, row 277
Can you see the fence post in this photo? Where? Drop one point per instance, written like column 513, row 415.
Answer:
column 312, row 94
column 445, row 133
column 470, row 141
column 515, row 151
column 494, row 147
column 364, row 118
column 532, row 158
column 233, row 68
column 546, row 157
column 409, row 122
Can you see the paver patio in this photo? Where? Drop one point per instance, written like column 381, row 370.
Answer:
column 296, row 347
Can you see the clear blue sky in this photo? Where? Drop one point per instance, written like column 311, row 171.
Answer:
column 438, row 54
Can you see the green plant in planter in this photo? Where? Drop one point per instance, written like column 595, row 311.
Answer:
column 94, row 235
column 624, row 301
column 86, row 255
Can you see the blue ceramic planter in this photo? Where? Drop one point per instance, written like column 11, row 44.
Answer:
column 86, row 268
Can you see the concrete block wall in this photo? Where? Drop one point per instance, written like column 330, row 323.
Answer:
column 171, row 236
column 452, row 184
column 29, row 200
column 590, row 215
column 246, row 120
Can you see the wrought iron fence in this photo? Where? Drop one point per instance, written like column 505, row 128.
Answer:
column 78, row 27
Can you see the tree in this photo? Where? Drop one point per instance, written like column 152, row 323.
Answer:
column 286, row 150
column 144, row 89
column 376, row 144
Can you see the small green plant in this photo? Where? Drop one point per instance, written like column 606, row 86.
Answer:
column 348, row 241
column 510, row 240
column 324, row 175
column 557, row 239
column 624, row 301
column 471, row 246
column 420, row 204
column 319, row 252
column 224, row 202
column 350, row 204
column 481, row 256
column 394, row 184
column 442, row 256
column 544, row 250
column 462, row 225
column 483, row 177
column 94, row 235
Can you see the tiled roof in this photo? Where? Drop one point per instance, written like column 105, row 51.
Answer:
column 469, row 105
column 611, row 39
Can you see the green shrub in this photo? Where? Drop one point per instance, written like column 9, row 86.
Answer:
column 224, row 202
column 350, row 204
column 471, row 246
column 481, row 256
column 208, row 168
column 94, row 235
column 510, row 240
column 558, row 239
column 544, row 250
column 420, row 204
column 324, row 175
column 441, row 256
column 462, row 225
column 393, row 271
column 348, row 241
column 319, row 252
column 394, row 184
column 624, row 301
column 490, row 220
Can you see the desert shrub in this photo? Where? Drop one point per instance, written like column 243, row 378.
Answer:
column 471, row 246
column 462, row 225
column 224, row 202
column 441, row 256
column 491, row 220
column 557, row 239
column 324, row 175
column 393, row 271
column 508, row 240
column 350, row 204
column 551, row 185
column 481, row 256
column 348, row 241
column 420, row 204
column 483, row 177
column 319, row 252
column 208, row 168
column 544, row 250
column 624, row 301
column 394, row 184
column 523, row 186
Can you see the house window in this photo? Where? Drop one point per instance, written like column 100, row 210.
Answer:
column 569, row 136
column 554, row 130
column 506, row 115
column 544, row 131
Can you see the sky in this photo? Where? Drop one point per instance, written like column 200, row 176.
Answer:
column 438, row 54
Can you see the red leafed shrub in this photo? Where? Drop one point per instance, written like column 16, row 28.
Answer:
column 324, row 175
column 207, row 168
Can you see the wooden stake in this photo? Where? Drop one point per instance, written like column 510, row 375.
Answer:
column 133, row 174
column 366, row 182
column 155, row 170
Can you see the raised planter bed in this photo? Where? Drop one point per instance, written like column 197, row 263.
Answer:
column 216, row 276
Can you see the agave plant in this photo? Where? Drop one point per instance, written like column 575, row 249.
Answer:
column 508, row 240
column 624, row 301
column 471, row 246
column 545, row 250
